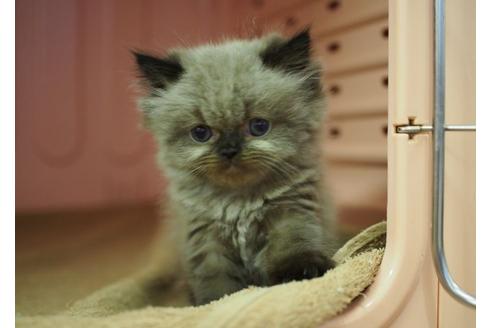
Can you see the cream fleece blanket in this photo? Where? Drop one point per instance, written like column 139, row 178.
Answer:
column 305, row 303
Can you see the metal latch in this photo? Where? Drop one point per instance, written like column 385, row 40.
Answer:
column 412, row 129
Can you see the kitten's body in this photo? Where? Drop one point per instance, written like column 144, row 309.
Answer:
column 258, row 217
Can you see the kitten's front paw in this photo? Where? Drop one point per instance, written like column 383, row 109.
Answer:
column 303, row 266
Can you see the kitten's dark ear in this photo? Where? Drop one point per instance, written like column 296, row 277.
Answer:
column 292, row 55
column 157, row 72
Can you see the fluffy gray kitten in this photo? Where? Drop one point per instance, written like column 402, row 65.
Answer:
column 237, row 127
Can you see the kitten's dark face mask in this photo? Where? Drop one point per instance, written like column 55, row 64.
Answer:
column 233, row 158
column 238, row 114
column 231, row 141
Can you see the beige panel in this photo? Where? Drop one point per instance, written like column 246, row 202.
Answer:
column 323, row 16
column 359, row 193
column 420, row 310
column 358, row 93
column 459, row 196
column 413, row 59
column 354, row 49
column 405, row 291
column 459, row 226
column 406, row 287
column 359, row 140
column 460, row 62
column 332, row 15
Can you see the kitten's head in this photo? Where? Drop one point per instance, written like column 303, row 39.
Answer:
column 234, row 114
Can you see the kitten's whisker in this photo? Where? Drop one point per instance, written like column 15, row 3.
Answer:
column 273, row 167
column 276, row 163
column 281, row 165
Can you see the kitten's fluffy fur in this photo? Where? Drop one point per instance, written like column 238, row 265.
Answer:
column 261, row 218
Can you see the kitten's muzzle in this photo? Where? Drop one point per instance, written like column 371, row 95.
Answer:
column 229, row 145
column 229, row 153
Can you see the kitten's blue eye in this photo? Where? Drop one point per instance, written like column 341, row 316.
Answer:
column 258, row 126
column 201, row 133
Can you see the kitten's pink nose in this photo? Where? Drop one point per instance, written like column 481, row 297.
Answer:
column 229, row 152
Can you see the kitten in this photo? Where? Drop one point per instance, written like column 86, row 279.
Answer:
column 237, row 128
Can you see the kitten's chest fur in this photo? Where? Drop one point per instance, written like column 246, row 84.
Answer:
column 236, row 225
column 239, row 222
column 244, row 223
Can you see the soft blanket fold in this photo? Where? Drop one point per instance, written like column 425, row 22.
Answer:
column 305, row 303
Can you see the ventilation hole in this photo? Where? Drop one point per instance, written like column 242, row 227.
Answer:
column 384, row 81
column 334, row 132
column 385, row 130
column 333, row 5
column 385, row 32
column 290, row 21
column 334, row 89
column 333, row 47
